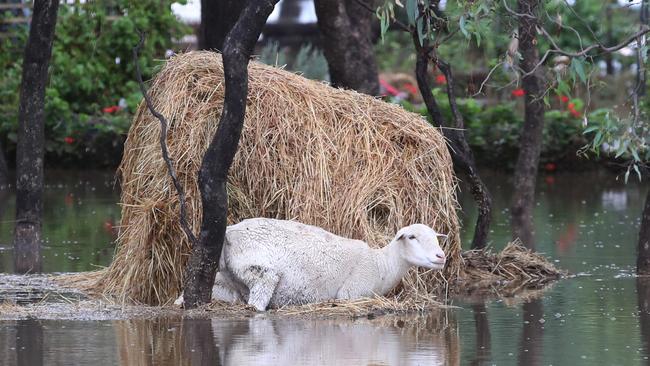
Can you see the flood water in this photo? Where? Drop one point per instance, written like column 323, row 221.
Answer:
column 586, row 222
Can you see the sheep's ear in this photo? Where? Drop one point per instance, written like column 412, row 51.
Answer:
column 401, row 237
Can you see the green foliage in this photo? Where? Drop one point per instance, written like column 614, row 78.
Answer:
column 493, row 131
column 91, row 68
column 622, row 138
column 309, row 61
column 390, row 53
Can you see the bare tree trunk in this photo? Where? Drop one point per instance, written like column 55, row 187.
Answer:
column 530, row 142
column 4, row 171
column 346, row 32
column 239, row 44
column 643, row 247
column 29, row 158
column 459, row 149
column 641, row 70
column 609, row 61
column 217, row 19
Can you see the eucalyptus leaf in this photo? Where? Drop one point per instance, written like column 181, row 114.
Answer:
column 577, row 65
column 412, row 11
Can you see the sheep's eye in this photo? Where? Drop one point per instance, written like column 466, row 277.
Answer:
column 412, row 237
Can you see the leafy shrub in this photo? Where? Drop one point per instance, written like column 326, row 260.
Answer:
column 92, row 91
column 493, row 131
column 309, row 61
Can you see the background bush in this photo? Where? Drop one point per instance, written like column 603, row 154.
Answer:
column 92, row 92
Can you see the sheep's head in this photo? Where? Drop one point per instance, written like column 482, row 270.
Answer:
column 419, row 246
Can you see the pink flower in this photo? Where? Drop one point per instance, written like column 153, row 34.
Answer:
column 69, row 140
column 441, row 80
column 563, row 98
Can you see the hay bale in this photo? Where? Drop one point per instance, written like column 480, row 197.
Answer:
column 344, row 161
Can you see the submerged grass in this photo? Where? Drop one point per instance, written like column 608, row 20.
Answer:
column 505, row 274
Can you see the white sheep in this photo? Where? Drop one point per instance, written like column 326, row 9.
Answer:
column 272, row 263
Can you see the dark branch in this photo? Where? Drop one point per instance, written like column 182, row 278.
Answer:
column 446, row 70
column 163, row 143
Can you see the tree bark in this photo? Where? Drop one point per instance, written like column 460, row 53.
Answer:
column 609, row 61
column 346, row 33
column 29, row 154
column 531, row 133
column 239, row 44
column 459, row 149
column 643, row 247
column 4, row 171
column 217, row 19
column 641, row 70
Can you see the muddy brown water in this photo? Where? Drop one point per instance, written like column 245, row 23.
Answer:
column 586, row 222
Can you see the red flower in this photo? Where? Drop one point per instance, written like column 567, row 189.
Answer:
column 389, row 88
column 576, row 114
column 411, row 88
column 563, row 98
column 573, row 111
column 69, row 199
column 111, row 109
column 549, row 179
column 518, row 93
column 550, row 167
column 441, row 80
column 69, row 140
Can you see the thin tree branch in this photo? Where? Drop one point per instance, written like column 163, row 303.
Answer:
column 401, row 25
column 480, row 90
column 521, row 15
column 556, row 49
column 163, row 143
column 446, row 70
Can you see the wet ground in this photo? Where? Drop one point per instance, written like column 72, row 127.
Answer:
column 586, row 223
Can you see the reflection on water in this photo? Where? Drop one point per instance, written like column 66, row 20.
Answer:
column 483, row 339
column 79, row 214
column 430, row 340
column 587, row 223
column 29, row 343
column 285, row 342
column 643, row 302
column 530, row 345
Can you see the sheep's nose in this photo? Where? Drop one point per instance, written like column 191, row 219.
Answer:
column 440, row 256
